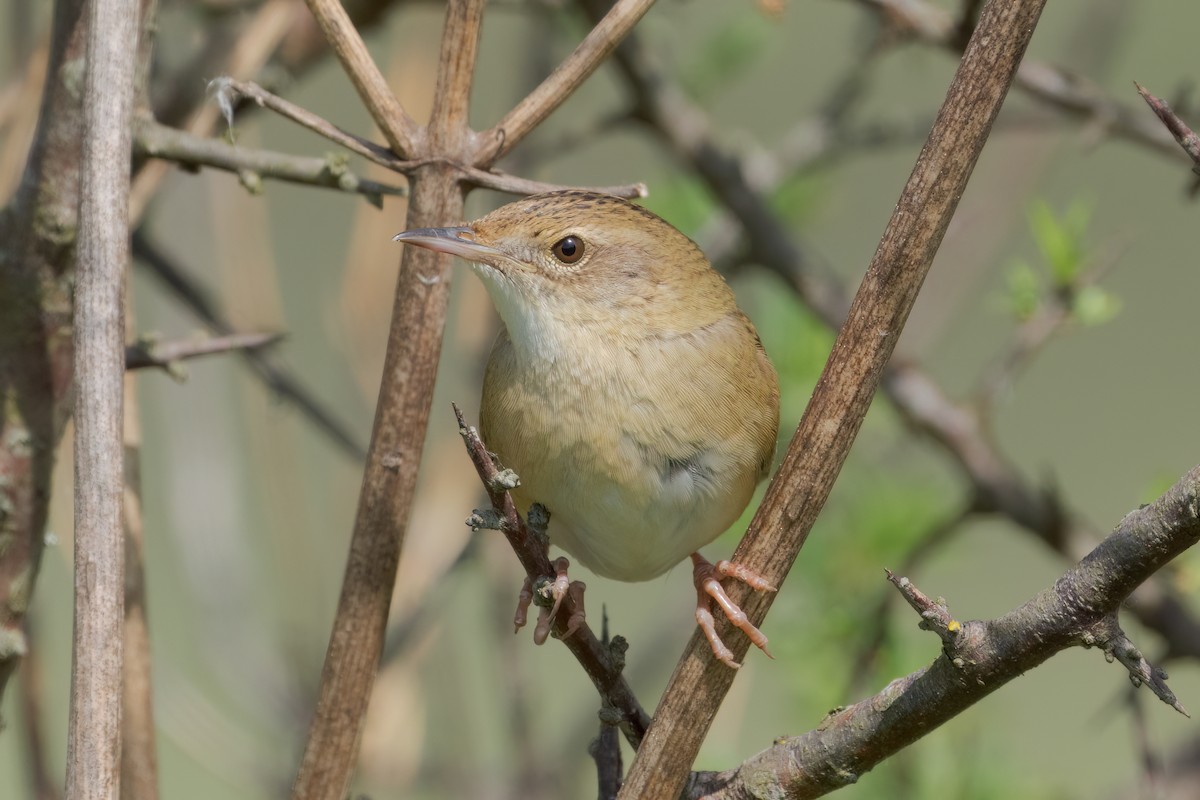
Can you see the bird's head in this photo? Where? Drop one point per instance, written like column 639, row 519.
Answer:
column 586, row 258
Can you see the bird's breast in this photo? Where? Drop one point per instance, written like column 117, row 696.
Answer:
column 633, row 446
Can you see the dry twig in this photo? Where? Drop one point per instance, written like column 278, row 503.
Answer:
column 595, row 658
column 167, row 355
column 94, row 735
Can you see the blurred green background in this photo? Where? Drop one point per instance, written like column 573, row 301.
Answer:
column 248, row 507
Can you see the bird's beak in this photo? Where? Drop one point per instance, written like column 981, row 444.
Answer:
column 455, row 241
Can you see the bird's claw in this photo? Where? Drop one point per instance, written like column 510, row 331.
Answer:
column 549, row 596
column 708, row 588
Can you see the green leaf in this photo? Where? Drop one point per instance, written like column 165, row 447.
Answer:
column 1092, row 305
column 1024, row 290
column 1060, row 240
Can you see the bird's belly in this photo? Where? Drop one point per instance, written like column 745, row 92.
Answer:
column 628, row 520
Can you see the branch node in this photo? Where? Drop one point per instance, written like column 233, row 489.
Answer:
column 609, row 716
column 250, row 180
column 935, row 615
column 485, row 519
column 616, row 653
column 505, row 480
column 1107, row 634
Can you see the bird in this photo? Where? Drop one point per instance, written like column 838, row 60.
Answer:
column 626, row 388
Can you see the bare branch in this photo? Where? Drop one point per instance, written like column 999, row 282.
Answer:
column 877, row 627
column 385, row 499
column 36, row 286
column 167, row 355
column 94, row 736
column 250, row 50
column 844, row 392
column 281, row 381
column 1186, row 137
column 398, row 127
column 252, row 165
column 978, row 658
column 449, row 130
column 502, row 182
column 996, row 484
column 228, row 91
column 1051, row 85
column 595, row 658
column 561, row 83
column 1106, row 634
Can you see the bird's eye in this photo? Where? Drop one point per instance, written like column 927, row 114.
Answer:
column 568, row 250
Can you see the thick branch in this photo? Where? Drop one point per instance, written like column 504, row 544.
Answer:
column 996, row 483
column 94, row 736
column 979, row 657
column 385, row 499
column 844, row 392
column 36, row 286
column 561, row 83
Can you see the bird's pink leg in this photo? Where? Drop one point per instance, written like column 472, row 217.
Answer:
column 524, row 599
column 708, row 588
column 549, row 597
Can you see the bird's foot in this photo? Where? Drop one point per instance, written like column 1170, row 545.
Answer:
column 549, row 594
column 707, row 578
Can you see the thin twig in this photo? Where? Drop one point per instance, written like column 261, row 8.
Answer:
column 398, row 127
column 228, row 91
column 502, row 182
column 877, row 626
column 257, row 41
column 251, row 165
column 562, row 83
column 280, row 380
column 605, row 749
column 167, row 355
column 1053, row 314
column 978, row 658
column 1053, row 86
column 94, row 735
column 844, row 392
column 1183, row 134
column 595, row 658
